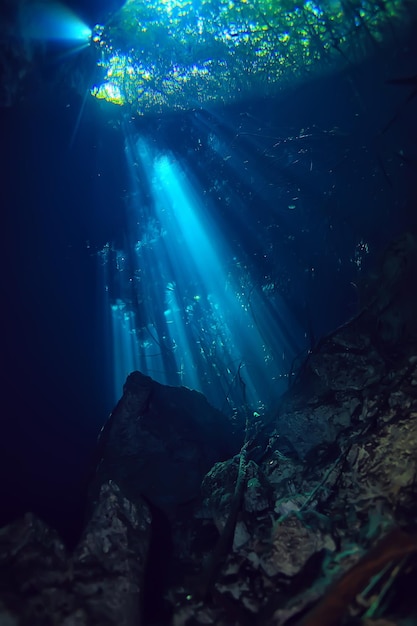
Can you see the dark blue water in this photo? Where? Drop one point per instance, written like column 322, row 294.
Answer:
column 297, row 198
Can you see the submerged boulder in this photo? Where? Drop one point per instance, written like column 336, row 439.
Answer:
column 160, row 441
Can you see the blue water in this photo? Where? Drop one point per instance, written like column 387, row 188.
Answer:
column 204, row 248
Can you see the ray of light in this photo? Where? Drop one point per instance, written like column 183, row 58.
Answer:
column 188, row 317
column 125, row 347
column 52, row 21
column 78, row 120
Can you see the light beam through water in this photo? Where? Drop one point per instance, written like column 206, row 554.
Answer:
column 189, row 319
column 52, row 21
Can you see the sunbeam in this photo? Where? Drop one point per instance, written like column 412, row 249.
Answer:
column 52, row 21
column 186, row 310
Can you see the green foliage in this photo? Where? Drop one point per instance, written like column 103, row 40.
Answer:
column 168, row 54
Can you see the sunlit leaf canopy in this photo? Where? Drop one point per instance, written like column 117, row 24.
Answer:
column 175, row 54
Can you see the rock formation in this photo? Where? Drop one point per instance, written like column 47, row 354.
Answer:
column 310, row 518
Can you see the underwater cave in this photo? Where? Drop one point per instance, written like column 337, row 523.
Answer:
column 210, row 313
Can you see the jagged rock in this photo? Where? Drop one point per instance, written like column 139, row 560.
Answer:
column 310, row 425
column 327, row 396
column 115, row 544
column 218, row 489
column 160, row 441
column 385, row 467
column 100, row 583
column 292, row 544
column 257, row 495
column 347, row 370
column 241, row 536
